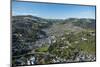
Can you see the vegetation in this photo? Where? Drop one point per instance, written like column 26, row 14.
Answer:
column 52, row 40
column 42, row 49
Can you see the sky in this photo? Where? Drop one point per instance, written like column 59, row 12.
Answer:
column 53, row 11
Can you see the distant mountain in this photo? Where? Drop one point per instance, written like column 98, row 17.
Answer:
column 83, row 22
column 29, row 17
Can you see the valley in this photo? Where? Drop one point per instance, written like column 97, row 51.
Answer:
column 36, row 40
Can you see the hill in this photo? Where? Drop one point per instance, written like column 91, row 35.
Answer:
column 52, row 40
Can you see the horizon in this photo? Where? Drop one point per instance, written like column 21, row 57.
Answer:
column 54, row 18
column 53, row 11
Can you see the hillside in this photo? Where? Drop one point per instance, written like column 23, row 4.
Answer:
column 52, row 40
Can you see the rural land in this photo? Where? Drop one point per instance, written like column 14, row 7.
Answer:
column 36, row 40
